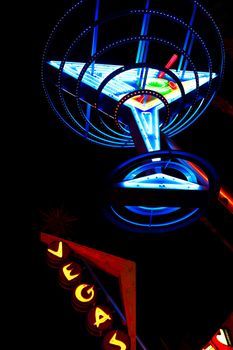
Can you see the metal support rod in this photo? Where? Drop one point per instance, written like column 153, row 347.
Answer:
column 143, row 47
column 116, row 308
column 187, row 37
column 93, row 51
column 95, row 35
column 186, row 61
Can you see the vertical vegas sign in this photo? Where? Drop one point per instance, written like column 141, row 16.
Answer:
column 139, row 104
column 63, row 255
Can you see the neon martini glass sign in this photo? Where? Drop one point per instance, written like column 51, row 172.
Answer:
column 144, row 104
column 147, row 103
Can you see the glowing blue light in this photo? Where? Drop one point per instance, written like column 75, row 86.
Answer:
column 187, row 35
column 95, row 35
column 185, row 169
column 144, row 30
column 183, row 124
column 148, row 124
column 152, row 211
column 161, row 181
column 127, row 81
column 143, row 48
column 147, row 121
column 192, row 215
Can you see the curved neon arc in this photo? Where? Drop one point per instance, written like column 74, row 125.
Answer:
column 189, row 120
column 185, row 125
column 154, row 211
column 166, row 224
column 98, row 141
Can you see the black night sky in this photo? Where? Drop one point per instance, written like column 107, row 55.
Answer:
column 189, row 270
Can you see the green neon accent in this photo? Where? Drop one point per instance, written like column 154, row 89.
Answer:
column 159, row 85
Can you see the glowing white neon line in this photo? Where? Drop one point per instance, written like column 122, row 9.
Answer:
column 148, row 124
column 167, row 181
column 141, row 126
column 146, row 118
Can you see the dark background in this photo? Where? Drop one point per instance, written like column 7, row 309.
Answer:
column 190, row 269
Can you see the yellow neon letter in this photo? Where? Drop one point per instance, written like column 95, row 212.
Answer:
column 100, row 316
column 58, row 252
column 78, row 293
column 119, row 343
column 67, row 272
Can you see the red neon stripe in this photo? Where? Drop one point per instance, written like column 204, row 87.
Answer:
column 169, row 65
column 224, row 197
